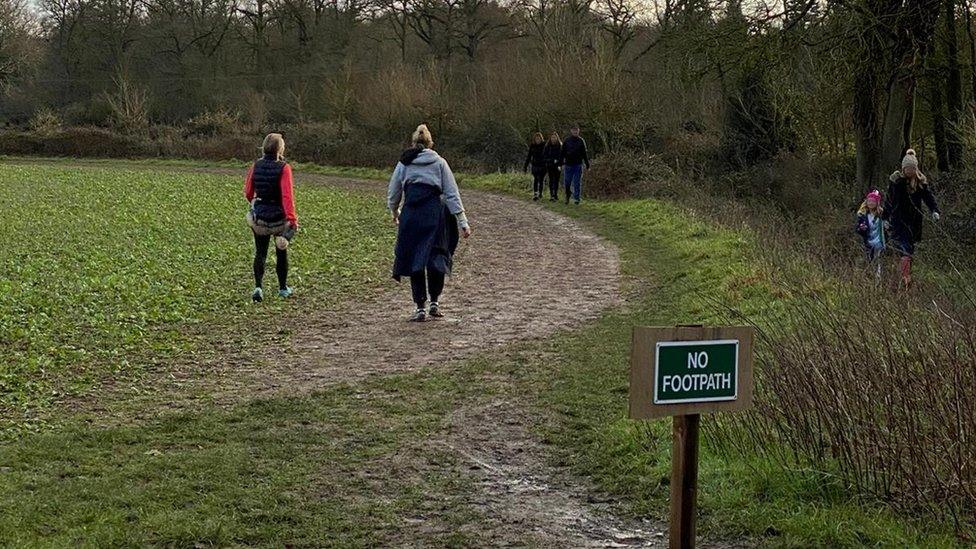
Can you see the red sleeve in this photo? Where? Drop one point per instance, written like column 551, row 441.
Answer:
column 249, row 184
column 287, row 196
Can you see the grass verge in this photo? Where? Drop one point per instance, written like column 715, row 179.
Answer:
column 683, row 268
column 346, row 467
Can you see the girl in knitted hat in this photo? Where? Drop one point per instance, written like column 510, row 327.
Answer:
column 907, row 190
column 870, row 226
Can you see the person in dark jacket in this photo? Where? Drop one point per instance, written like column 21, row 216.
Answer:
column 429, row 223
column 268, row 187
column 552, row 153
column 574, row 158
column 536, row 158
column 907, row 191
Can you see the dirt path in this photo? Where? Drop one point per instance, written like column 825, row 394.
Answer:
column 525, row 274
column 524, row 497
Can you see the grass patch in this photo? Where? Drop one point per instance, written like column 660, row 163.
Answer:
column 338, row 469
column 683, row 267
column 111, row 269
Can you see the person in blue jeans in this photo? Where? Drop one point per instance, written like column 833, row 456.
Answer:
column 574, row 159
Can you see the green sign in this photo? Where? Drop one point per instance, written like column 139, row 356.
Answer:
column 696, row 371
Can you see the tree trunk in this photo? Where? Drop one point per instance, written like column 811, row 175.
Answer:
column 866, row 127
column 899, row 116
column 972, row 47
column 884, row 84
column 937, row 108
column 953, row 89
column 883, row 122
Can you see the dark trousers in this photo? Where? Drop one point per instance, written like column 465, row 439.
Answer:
column 538, row 180
column 553, row 173
column 421, row 282
column 261, row 244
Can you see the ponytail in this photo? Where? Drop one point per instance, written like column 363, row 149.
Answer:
column 422, row 137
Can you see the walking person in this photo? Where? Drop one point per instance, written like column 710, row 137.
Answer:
column 536, row 158
column 432, row 215
column 552, row 154
column 574, row 158
column 870, row 226
column 268, row 188
column 907, row 190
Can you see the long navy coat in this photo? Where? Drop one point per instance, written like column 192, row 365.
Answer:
column 428, row 234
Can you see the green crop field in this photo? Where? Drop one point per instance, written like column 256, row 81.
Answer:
column 107, row 269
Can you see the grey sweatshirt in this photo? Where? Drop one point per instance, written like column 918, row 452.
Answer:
column 429, row 169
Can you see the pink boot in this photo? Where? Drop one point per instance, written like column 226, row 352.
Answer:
column 906, row 272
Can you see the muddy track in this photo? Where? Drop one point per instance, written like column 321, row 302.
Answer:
column 525, row 274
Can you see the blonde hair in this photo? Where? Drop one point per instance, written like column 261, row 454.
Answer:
column 537, row 137
column 558, row 140
column 864, row 209
column 274, row 144
column 422, row 137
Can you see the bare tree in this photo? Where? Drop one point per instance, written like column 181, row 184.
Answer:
column 258, row 16
column 397, row 14
column 893, row 39
column 18, row 31
column 619, row 19
column 185, row 25
column 479, row 20
column 433, row 22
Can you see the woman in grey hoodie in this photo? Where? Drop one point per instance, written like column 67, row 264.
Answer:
column 429, row 222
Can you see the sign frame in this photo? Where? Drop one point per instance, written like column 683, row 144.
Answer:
column 643, row 369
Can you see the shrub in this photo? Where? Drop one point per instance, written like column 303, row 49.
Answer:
column 220, row 122
column 129, row 106
column 46, row 122
column 879, row 391
column 692, row 152
column 78, row 142
column 756, row 127
column 628, row 174
column 222, row 147
column 494, row 145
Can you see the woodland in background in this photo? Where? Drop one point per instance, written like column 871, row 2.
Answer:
column 716, row 86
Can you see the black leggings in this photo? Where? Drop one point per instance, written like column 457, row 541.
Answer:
column 261, row 244
column 421, row 282
column 538, row 181
column 553, row 174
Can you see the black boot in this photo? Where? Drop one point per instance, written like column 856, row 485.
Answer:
column 420, row 315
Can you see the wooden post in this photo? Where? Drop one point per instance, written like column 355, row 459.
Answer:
column 684, row 480
column 662, row 361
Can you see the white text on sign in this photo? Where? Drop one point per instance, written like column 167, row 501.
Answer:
column 698, row 360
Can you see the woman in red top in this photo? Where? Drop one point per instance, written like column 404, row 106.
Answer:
column 268, row 187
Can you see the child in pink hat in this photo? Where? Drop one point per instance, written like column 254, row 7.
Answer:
column 870, row 226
